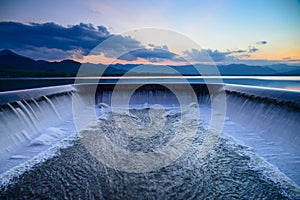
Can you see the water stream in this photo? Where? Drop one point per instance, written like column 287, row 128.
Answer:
column 42, row 156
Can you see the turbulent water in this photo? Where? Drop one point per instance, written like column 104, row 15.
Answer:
column 228, row 171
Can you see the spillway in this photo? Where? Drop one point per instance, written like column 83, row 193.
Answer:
column 50, row 142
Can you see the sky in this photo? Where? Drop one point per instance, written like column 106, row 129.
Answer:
column 257, row 32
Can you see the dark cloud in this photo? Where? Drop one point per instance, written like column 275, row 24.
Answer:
column 117, row 46
column 83, row 37
column 155, row 54
column 262, row 42
column 51, row 41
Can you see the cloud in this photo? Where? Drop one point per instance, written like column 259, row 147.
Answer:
column 118, row 45
column 216, row 55
column 84, row 37
column 289, row 59
column 252, row 49
column 262, row 42
column 206, row 55
column 237, row 51
column 51, row 41
column 155, row 54
column 43, row 53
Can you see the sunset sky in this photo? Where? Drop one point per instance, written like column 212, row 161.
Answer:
column 231, row 31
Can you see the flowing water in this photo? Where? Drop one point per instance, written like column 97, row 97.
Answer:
column 57, row 163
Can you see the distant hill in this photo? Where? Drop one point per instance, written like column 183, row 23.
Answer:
column 225, row 70
column 14, row 65
column 282, row 68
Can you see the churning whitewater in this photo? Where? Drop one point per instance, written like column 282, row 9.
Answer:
column 149, row 151
column 229, row 170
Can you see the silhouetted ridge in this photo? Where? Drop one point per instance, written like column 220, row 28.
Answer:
column 14, row 65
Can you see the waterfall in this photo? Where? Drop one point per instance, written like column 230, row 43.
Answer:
column 31, row 124
column 272, row 113
column 33, row 120
column 53, row 107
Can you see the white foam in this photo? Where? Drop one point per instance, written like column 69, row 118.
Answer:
column 19, row 169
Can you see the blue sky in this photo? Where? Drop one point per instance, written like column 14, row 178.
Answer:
column 267, row 31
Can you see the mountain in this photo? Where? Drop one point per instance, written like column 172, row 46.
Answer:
column 14, row 65
column 282, row 68
column 245, row 70
column 209, row 70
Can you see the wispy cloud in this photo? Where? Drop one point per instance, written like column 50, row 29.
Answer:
column 195, row 55
column 252, row 49
column 262, row 42
column 207, row 55
column 289, row 59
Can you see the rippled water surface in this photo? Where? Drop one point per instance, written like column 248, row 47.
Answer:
column 228, row 171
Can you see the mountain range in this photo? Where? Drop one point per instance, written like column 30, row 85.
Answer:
column 14, row 65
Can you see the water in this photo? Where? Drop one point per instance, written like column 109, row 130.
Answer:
column 48, row 160
column 227, row 172
column 31, row 126
column 287, row 82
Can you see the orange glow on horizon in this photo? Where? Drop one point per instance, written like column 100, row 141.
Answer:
column 287, row 56
column 101, row 59
column 276, row 53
